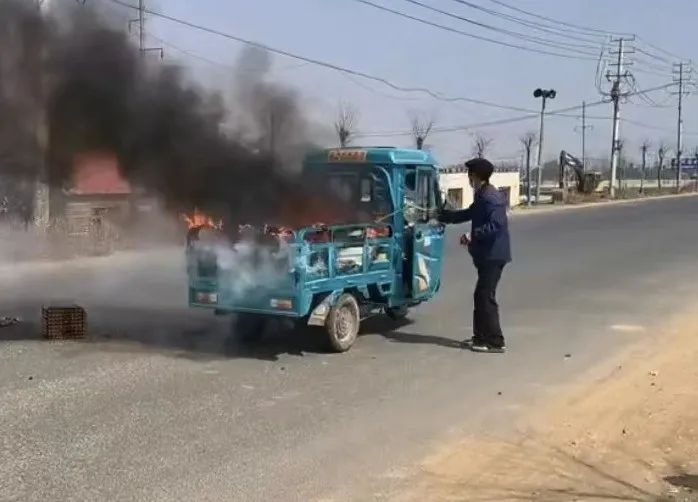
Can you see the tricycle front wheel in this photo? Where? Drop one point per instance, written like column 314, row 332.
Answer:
column 343, row 323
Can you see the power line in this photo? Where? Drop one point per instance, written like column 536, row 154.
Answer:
column 377, row 92
column 530, row 38
column 657, row 128
column 652, row 66
column 470, row 35
column 651, row 72
column 235, row 68
column 458, row 128
column 231, row 67
column 570, row 47
column 204, row 59
column 646, row 98
column 557, row 21
column 670, row 54
column 562, row 112
column 653, row 56
column 590, row 30
column 348, row 71
column 533, row 24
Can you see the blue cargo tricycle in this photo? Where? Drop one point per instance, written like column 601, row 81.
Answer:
column 333, row 276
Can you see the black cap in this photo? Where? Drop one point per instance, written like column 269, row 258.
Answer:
column 481, row 168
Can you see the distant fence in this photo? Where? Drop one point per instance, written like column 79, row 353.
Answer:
column 462, row 169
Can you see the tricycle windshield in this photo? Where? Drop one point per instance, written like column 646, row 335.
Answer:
column 422, row 197
column 361, row 194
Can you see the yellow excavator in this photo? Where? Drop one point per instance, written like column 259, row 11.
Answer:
column 573, row 174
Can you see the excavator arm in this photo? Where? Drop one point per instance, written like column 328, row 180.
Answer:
column 586, row 182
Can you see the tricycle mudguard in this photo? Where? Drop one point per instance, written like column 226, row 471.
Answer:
column 320, row 312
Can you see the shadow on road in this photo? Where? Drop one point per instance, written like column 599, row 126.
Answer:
column 392, row 331
column 177, row 332
column 182, row 332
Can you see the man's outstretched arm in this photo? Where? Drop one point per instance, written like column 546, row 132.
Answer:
column 456, row 216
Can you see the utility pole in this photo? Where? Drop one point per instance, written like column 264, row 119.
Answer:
column 583, row 128
column 616, row 94
column 643, row 148
column 141, row 32
column 680, row 74
column 544, row 94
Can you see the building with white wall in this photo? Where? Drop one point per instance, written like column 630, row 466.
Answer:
column 456, row 187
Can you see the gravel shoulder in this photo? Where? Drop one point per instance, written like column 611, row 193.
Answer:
column 624, row 431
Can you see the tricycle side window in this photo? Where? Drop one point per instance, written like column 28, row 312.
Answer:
column 422, row 199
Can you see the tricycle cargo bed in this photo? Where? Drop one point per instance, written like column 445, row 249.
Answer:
column 288, row 281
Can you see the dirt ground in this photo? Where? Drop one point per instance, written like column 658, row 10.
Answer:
column 631, row 434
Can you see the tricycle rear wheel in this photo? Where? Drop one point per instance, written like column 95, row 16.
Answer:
column 343, row 323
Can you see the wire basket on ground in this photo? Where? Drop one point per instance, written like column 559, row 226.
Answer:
column 63, row 322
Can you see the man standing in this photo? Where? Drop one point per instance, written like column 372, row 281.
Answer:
column 489, row 246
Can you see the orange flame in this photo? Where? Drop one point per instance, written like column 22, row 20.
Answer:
column 201, row 220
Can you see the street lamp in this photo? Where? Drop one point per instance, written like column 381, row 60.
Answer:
column 545, row 94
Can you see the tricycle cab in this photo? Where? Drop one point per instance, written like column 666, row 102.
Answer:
column 388, row 258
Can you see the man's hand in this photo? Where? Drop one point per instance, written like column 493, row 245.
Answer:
column 465, row 240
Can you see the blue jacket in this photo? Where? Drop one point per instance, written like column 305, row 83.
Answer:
column 490, row 228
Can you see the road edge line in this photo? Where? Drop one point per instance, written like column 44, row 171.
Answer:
column 596, row 205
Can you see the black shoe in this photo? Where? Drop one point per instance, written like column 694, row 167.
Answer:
column 487, row 348
column 469, row 342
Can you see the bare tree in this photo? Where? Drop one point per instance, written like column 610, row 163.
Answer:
column 421, row 127
column 481, row 144
column 345, row 123
column 644, row 148
column 528, row 140
column 662, row 150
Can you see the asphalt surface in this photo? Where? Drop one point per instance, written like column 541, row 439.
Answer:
column 157, row 406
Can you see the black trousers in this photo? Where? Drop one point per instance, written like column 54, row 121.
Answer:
column 486, row 328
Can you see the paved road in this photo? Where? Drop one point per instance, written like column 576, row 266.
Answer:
column 157, row 407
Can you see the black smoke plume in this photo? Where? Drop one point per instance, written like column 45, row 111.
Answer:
column 87, row 82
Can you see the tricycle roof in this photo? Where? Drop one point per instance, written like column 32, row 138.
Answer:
column 371, row 155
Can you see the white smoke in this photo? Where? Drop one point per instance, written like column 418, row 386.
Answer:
column 243, row 267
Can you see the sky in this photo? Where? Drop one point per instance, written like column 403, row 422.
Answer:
column 360, row 37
